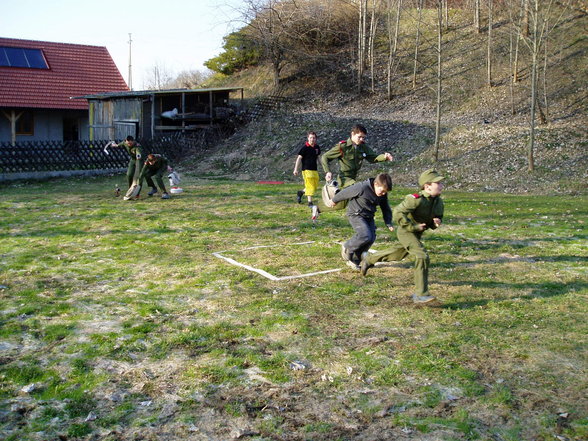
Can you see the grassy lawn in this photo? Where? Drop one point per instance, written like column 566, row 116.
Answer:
column 119, row 323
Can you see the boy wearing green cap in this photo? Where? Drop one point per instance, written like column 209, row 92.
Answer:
column 417, row 213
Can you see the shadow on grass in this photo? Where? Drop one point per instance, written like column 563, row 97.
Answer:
column 538, row 290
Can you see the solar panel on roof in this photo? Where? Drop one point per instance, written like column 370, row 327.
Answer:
column 21, row 57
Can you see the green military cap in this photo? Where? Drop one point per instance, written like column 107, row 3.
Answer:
column 430, row 175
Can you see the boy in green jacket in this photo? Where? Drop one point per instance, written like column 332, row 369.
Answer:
column 417, row 213
column 155, row 166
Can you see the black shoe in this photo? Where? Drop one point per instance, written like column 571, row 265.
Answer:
column 364, row 265
column 299, row 195
column 422, row 299
column 152, row 192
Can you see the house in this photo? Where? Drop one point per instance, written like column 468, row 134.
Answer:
column 38, row 80
column 151, row 114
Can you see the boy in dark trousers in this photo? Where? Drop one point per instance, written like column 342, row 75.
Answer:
column 417, row 213
column 307, row 158
column 155, row 166
column 363, row 199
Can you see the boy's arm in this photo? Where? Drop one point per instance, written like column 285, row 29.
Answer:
column 347, row 193
column 329, row 156
column 402, row 212
column 297, row 165
column 386, row 212
column 438, row 209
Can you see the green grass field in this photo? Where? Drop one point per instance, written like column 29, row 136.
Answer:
column 119, row 323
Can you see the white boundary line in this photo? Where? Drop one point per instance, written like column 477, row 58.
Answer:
column 265, row 273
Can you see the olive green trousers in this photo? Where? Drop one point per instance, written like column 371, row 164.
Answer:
column 408, row 243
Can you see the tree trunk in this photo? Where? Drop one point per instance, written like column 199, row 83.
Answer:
column 361, row 43
column 392, row 42
column 439, row 76
column 489, row 57
column 416, row 46
column 371, row 45
column 477, row 16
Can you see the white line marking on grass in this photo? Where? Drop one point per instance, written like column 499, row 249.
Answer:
column 265, row 273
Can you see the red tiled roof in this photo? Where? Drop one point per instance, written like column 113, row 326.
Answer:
column 74, row 70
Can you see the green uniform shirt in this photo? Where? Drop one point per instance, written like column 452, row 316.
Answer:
column 418, row 208
column 350, row 158
column 132, row 151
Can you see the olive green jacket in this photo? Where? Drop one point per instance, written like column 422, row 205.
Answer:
column 132, row 151
column 350, row 158
column 418, row 208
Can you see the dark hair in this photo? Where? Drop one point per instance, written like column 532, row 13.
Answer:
column 358, row 128
column 130, row 138
column 310, row 133
column 384, row 180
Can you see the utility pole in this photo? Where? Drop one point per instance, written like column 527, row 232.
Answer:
column 130, row 65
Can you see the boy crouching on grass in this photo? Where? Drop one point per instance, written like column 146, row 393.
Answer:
column 413, row 216
column 363, row 199
column 155, row 166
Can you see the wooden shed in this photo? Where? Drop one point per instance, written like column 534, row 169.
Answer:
column 151, row 113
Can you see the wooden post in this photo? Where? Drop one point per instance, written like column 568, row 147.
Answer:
column 13, row 118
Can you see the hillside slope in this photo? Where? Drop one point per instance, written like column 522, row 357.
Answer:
column 483, row 142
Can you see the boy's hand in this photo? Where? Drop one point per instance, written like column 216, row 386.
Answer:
column 421, row 227
column 437, row 221
column 328, row 177
column 391, row 228
column 295, row 172
column 330, row 203
column 388, row 157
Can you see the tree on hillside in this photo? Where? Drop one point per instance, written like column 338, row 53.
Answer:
column 239, row 52
column 539, row 14
column 417, row 42
column 439, row 76
column 393, row 31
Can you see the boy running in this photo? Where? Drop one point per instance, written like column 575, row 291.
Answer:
column 417, row 213
column 363, row 199
column 307, row 157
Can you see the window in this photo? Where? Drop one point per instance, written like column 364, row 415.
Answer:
column 25, row 124
column 22, row 57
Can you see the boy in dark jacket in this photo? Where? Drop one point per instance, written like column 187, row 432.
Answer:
column 417, row 213
column 363, row 199
column 155, row 166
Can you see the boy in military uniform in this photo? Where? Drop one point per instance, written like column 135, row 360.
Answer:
column 307, row 158
column 155, row 166
column 135, row 151
column 363, row 199
column 415, row 214
column 350, row 155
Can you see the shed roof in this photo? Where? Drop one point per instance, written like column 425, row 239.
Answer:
column 144, row 93
column 74, row 69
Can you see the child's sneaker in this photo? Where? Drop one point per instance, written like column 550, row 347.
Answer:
column 152, row 192
column 422, row 299
column 354, row 266
column 364, row 265
column 165, row 196
column 344, row 253
column 315, row 212
column 299, row 195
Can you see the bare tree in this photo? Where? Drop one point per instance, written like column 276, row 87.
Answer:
column 158, row 77
column 477, row 25
column 489, row 57
column 417, row 42
column 392, row 41
column 361, row 43
column 439, row 76
column 371, row 44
